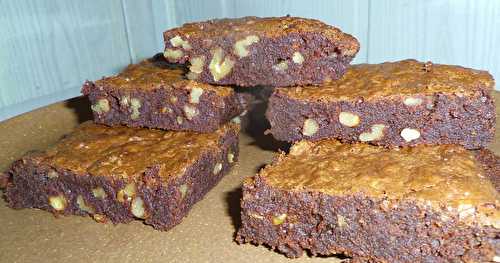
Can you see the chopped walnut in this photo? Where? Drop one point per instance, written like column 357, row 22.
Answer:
column 241, row 46
column 173, row 54
column 297, row 58
column 376, row 133
column 349, row 119
column 310, row 128
column 409, row 134
column 220, row 66
column 101, row 106
column 195, row 94
column 177, row 41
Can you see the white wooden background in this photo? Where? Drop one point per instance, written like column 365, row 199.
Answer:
column 49, row 47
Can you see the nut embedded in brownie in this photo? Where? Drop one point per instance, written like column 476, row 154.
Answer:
column 154, row 94
column 412, row 204
column 391, row 104
column 121, row 173
column 254, row 51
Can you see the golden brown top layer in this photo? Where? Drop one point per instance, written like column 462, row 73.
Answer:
column 442, row 176
column 271, row 27
column 122, row 152
column 401, row 78
column 156, row 73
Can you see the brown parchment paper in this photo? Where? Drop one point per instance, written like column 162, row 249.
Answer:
column 205, row 235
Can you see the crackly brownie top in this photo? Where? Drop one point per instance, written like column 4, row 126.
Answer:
column 269, row 27
column 444, row 176
column 156, row 73
column 401, row 78
column 122, row 152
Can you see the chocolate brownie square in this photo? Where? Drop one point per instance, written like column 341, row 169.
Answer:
column 120, row 173
column 391, row 104
column 155, row 94
column 254, row 51
column 411, row 204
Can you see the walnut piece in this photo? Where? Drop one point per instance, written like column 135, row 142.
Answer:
column 236, row 120
column 137, row 208
column 256, row 216
column 83, row 206
column 376, row 133
column 190, row 111
column 341, row 221
column 58, row 202
column 127, row 193
column 281, row 66
column 310, row 128
column 99, row 192
column 173, row 99
column 135, row 104
column 279, row 219
column 297, row 58
column 173, row 54
column 125, row 100
column 195, row 94
column 409, row 134
column 196, row 67
column 348, row 119
column 230, row 157
column 183, row 188
column 166, row 110
column 180, row 120
column 101, row 106
column 177, row 41
column 217, row 168
column 52, row 174
column 411, row 101
column 220, row 66
column 241, row 46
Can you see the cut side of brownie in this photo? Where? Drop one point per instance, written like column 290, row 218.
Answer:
column 120, row 173
column 391, row 104
column 410, row 204
column 155, row 94
column 253, row 51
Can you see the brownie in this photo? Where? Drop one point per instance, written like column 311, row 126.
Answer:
column 391, row 104
column 424, row 203
column 253, row 51
column 155, row 94
column 121, row 174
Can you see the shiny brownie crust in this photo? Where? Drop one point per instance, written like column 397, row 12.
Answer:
column 363, row 227
column 30, row 186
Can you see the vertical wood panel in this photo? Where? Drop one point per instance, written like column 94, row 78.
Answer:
column 464, row 32
column 51, row 47
column 139, row 23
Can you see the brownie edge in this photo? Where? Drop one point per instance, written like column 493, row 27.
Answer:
column 366, row 228
column 159, row 193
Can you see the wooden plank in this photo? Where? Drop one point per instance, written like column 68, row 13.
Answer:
column 143, row 39
column 350, row 16
column 53, row 46
column 444, row 31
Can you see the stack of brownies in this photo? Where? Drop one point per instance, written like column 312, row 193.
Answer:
column 388, row 162
column 118, row 173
